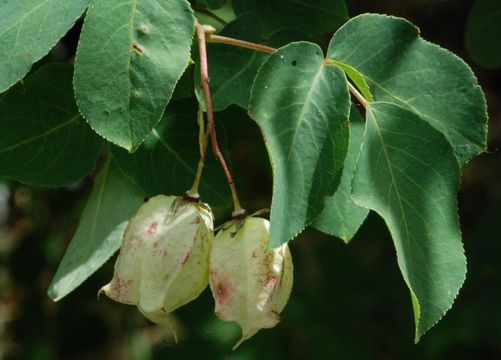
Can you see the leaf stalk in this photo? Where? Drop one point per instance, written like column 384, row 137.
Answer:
column 211, row 128
column 218, row 39
column 203, row 138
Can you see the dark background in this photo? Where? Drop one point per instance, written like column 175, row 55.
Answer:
column 348, row 301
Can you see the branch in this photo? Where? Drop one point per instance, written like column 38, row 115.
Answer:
column 218, row 39
column 211, row 128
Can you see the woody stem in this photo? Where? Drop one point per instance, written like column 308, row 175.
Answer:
column 211, row 128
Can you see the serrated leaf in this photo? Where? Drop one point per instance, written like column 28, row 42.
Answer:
column 402, row 68
column 166, row 163
column 341, row 217
column 302, row 105
column 114, row 199
column 313, row 16
column 130, row 56
column 483, row 32
column 407, row 172
column 232, row 69
column 43, row 139
column 29, row 29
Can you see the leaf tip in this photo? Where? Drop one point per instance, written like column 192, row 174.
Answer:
column 53, row 294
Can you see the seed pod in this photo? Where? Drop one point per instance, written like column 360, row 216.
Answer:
column 250, row 283
column 163, row 261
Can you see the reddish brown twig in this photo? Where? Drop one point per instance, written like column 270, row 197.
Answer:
column 211, row 128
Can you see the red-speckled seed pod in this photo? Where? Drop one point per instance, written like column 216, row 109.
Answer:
column 163, row 261
column 250, row 283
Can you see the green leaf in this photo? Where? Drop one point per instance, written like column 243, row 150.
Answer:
column 130, row 56
column 313, row 16
column 184, row 87
column 402, row 68
column 286, row 36
column 407, row 172
column 114, row 199
column 29, row 29
column 357, row 78
column 232, row 69
column 216, row 4
column 167, row 161
column 341, row 217
column 483, row 32
column 43, row 138
column 302, row 106
column 213, row 4
column 217, row 18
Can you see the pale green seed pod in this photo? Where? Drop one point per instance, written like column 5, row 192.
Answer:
column 251, row 284
column 163, row 261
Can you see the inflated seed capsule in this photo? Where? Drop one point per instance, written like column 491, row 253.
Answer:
column 163, row 261
column 250, row 283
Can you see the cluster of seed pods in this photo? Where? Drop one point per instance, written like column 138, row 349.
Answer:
column 169, row 255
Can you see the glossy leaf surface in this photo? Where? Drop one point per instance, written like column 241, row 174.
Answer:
column 341, row 217
column 302, row 106
column 130, row 56
column 29, row 29
column 402, row 68
column 407, row 172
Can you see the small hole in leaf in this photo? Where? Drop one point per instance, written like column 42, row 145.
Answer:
column 294, row 62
